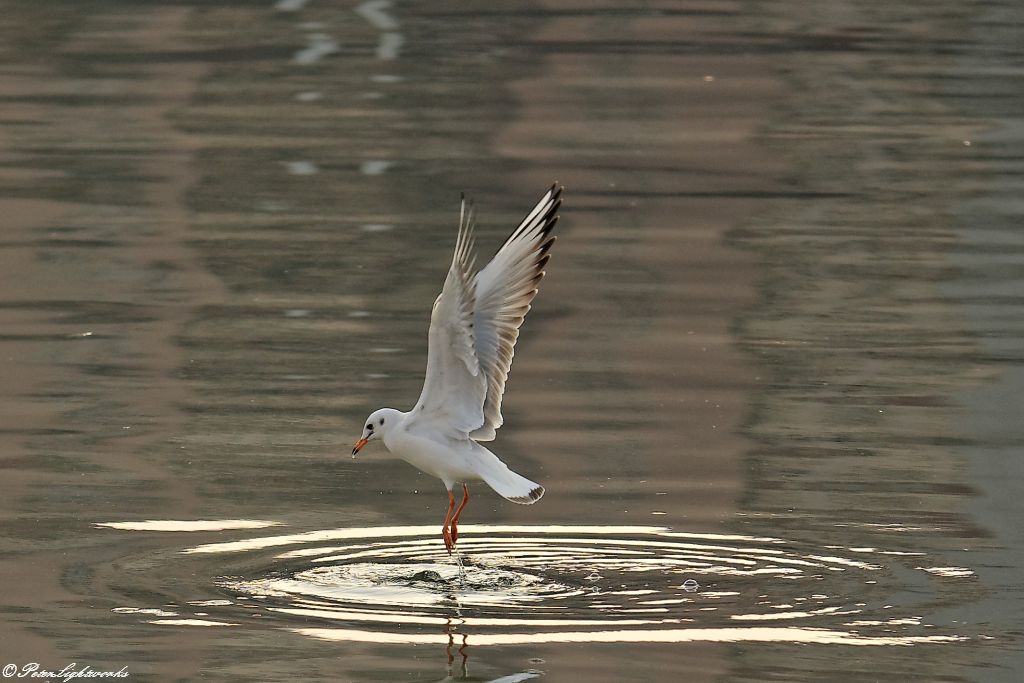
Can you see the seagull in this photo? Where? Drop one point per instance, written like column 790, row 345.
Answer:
column 473, row 330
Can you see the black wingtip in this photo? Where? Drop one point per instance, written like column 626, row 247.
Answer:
column 550, row 219
column 530, row 498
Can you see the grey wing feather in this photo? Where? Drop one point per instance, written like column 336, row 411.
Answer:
column 454, row 389
column 504, row 289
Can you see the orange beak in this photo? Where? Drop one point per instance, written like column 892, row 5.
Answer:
column 359, row 445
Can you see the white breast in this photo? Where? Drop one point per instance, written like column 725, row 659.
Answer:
column 449, row 461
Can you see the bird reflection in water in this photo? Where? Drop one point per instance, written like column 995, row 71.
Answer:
column 450, row 629
column 457, row 648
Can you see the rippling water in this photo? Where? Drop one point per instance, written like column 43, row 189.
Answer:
column 772, row 383
column 532, row 585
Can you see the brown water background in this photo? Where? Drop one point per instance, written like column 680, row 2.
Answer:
column 783, row 319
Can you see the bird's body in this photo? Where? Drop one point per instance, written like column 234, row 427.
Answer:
column 474, row 325
column 455, row 461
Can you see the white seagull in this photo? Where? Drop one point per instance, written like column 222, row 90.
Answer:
column 473, row 330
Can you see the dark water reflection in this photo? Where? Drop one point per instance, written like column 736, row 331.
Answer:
column 777, row 353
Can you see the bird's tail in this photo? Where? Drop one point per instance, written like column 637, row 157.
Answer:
column 507, row 483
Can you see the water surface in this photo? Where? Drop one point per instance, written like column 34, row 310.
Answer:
column 771, row 383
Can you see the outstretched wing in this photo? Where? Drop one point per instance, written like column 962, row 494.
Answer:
column 475, row 323
column 504, row 289
column 455, row 387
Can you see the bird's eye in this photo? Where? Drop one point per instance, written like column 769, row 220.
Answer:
column 370, row 427
column 382, row 421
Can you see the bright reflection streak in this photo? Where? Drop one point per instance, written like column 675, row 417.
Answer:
column 189, row 622
column 949, row 572
column 790, row 615
column 689, row 635
column 188, row 525
column 845, row 561
column 394, row 531
column 467, row 621
column 721, row 537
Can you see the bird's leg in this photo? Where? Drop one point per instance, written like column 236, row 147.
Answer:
column 448, row 542
column 455, row 519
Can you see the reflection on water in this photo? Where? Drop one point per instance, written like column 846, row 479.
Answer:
column 537, row 584
column 783, row 323
column 188, row 525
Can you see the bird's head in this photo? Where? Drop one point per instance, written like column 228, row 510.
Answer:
column 377, row 424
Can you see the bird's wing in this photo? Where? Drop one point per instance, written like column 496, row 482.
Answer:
column 455, row 387
column 504, row 289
